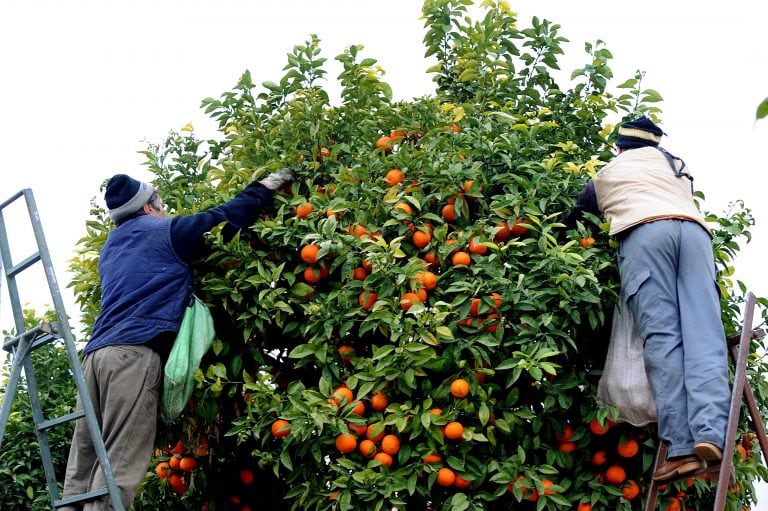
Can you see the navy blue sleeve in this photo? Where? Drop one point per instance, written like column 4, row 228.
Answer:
column 586, row 203
column 187, row 231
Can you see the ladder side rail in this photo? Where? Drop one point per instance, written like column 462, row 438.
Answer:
column 10, row 390
column 42, row 437
column 13, row 289
column 739, row 381
column 74, row 359
column 45, row 256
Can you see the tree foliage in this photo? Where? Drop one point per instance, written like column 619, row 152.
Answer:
column 506, row 147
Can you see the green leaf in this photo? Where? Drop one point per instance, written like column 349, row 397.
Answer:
column 762, row 109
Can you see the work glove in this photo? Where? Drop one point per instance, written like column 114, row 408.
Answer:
column 277, row 180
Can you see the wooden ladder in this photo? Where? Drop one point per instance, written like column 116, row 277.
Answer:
column 738, row 347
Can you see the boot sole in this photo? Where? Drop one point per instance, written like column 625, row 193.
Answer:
column 687, row 468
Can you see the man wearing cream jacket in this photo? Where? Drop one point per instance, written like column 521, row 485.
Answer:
column 667, row 272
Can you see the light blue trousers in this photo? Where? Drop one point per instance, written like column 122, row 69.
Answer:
column 668, row 279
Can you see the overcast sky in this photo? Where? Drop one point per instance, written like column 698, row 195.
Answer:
column 85, row 83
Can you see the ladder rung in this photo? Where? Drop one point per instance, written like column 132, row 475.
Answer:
column 42, row 335
column 60, row 420
column 80, row 498
column 26, row 263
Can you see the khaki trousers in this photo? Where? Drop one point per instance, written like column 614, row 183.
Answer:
column 124, row 384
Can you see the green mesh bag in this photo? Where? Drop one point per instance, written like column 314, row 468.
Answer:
column 192, row 342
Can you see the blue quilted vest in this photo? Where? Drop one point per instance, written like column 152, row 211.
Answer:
column 145, row 286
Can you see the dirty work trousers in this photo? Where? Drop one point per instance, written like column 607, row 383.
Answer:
column 668, row 280
column 124, row 384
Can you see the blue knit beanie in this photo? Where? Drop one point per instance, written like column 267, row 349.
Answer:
column 125, row 196
column 640, row 132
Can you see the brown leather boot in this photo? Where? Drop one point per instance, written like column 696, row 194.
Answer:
column 677, row 467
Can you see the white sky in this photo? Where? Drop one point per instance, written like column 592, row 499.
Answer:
column 84, row 83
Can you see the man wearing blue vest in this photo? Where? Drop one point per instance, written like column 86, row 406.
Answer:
column 667, row 272
column 146, row 283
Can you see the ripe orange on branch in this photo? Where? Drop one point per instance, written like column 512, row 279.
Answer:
column 445, row 477
column 309, row 253
column 346, row 443
column 459, row 388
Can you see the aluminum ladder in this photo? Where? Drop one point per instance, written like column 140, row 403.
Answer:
column 738, row 347
column 21, row 348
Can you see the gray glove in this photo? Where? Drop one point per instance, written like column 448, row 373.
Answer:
column 277, row 180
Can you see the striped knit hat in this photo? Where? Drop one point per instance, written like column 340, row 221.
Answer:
column 640, row 132
column 125, row 196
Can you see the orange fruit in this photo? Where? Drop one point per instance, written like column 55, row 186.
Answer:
column 449, row 213
column 461, row 257
column 178, row 484
column 405, row 208
column 673, row 504
column 599, row 458
column 428, row 280
column 476, row 248
column 304, row 209
column 421, row 239
column 445, row 477
column 459, row 388
column 567, row 446
column 431, row 260
column 454, row 128
column 359, row 408
column 379, row 401
column 281, row 428
column 175, row 462
column 343, row 396
column 188, row 464
column 163, row 470
column 246, row 476
column 367, row 299
column 630, row 489
column 346, row 353
column 313, row 275
column 396, row 135
column 474, row 307
column 394, row 177
column 367, row 265
column 546, row 484
column 346, row 443
column 178, row 448
column 503, row 233
column 369, row 434
column 432, row 458
column 461, row 483
column 566, row 434
column 367, row 449
column 742, row 452
column 383, row 458
column 596, row 428
column 408, row 299
column 453, row 430
column 358, row 429
column 357, row 230
column 384, row 143
column 584, row 506
column 615, row 475
column 587, row 242
column 435, row 411
column 359, row 273
column 628, row 449
column 390, row 444
column 309, row 253
column 517, row 229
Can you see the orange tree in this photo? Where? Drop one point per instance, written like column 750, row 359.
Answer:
column 410, row 325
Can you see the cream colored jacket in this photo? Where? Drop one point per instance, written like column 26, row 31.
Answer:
column 639, row 186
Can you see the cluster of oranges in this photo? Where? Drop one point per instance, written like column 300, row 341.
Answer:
column 176, row 465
